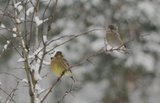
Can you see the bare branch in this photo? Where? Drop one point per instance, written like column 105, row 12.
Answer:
column 53, row 85
column 12, row 93
column 71, row 38
column 66, row 93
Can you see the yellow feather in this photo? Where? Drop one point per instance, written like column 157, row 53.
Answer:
column 59, row 65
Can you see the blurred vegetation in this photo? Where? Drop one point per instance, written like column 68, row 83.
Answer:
column 134, row 24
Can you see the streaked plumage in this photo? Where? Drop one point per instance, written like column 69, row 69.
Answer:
column 60, row 65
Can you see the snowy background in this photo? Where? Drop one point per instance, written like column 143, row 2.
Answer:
column 109, row 78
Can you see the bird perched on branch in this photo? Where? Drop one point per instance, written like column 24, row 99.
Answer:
column 113, row 38
column 60, row 66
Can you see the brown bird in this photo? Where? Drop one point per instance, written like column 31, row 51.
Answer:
column 113, row 37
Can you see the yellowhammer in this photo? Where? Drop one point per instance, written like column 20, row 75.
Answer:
column 59, row 65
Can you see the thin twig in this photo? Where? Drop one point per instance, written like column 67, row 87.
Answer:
column 53, row 85
column 70, row 39
column 6, row 94
column 66, row 93
column 12, row 94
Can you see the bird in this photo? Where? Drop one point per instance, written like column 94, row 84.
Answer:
column 113, row 37
column 60, row 66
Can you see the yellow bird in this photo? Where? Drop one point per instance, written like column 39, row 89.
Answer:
column 60, row 65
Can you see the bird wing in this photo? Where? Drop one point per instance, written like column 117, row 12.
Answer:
column 118, row 37
column 65, row 65
column 121, row 41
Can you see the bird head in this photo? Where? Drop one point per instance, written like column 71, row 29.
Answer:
column 59, row 54
column 112, row 27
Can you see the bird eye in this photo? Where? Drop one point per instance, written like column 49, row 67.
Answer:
column 51, row 57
